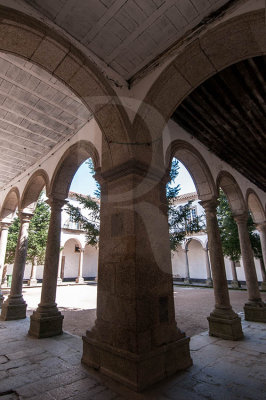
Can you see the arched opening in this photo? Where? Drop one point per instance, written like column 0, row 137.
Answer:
column 255, row 207
column 10, row 205
column 70, row 259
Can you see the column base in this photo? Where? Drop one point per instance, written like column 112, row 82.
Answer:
column 255, row 311
column 187, row 281
column 235, row 285
column 137, row 371
column 45, row 322
column 225, row 325
column 59, row 281
column 14, row 308
column 209, row 282
column 32, row 282
column 79, row 279
column 263, row 286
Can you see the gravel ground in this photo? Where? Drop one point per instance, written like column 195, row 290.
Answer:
column 78, row 304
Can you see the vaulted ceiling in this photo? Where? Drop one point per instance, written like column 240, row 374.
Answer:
column 36, row 113
column 227, row 113
column 127, row 34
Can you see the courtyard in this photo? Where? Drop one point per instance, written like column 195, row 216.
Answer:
column 50, row 368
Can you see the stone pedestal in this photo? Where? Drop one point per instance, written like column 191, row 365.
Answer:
column 47, row 320
column 223, row 321
column 33, row 281
column 137, row 371
column 15, row 307
column 255, row 309
column 135, row 339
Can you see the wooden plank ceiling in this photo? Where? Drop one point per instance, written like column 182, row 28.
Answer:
column 227, row 113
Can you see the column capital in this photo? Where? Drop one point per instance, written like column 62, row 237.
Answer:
column 4, row 225
column 241, row 218
column 24, row 216
column 261, row 226
column 210, row 205
column 56, row 203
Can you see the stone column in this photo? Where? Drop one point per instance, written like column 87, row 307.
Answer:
column 59, row 279
column 135, row 339
column 262, row 230
column 80, row 278
column 47, row 320
column 223, row 321
column 235, row 283
column 263, row 274
column 3, row 243
column 15, row 306
column 208, row 268
column 255, row 309
column 187, row 280
column 33, row 281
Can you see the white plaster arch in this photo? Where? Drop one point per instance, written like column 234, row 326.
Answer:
column 233, row 192
column 10, row 205
column 255, row 206
column 196, row 165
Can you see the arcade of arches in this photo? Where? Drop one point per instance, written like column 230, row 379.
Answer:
column 67, row 94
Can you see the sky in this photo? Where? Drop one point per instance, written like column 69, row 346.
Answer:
column 84, row 183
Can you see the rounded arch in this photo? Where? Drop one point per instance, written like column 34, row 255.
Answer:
column 255, row 206
column 188, row 241
column 32, row 39
column 72, row 239
column 33, row 188
column 10, row 204
column 66, row 168
column 213, row 50
column 230, row 187
column 196, row 165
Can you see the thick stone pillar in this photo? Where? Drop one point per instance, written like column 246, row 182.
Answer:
column 208, row 268
column 255, row 309
column 187, row 280
column 223, row 321
column 3, row 243
column 80, row 278
column 15, row 306
column 235, row 284
column 33, row 280
column 59, row 279
column 47, row 320
column 262, row 230
column 135, row 339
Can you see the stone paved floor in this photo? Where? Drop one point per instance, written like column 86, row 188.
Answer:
column 49, row 369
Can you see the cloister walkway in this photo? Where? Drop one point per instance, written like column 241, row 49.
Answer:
column 49, row 369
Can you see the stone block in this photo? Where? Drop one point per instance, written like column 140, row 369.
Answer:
column 225, row 328
column 137, row 371
column 13, row 311
column 255, row 312
column 42, row 327
column 49, row 54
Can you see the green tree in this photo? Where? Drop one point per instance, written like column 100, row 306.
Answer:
column 37, row 238
column 229, row 231
column 180, row 221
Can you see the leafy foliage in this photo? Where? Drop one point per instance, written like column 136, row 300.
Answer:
column 37, row 238
column 180, row 220
column 91, row 223
column 229, row 231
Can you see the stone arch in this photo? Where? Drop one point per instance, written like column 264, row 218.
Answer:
column 33, row 188
column 255, row 206
column 223, row 44
column 196, row 165
column 73, row 157
column 10, row 204
column 32, row 39
column 72, row 239
column 230, row 187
